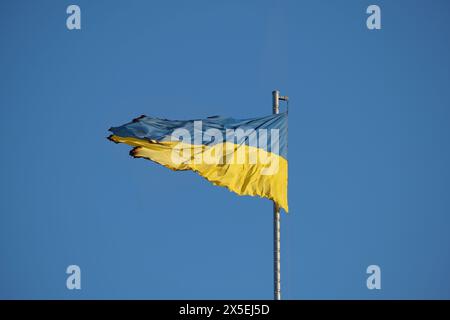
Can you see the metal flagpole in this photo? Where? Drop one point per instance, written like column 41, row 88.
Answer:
column 276, row 216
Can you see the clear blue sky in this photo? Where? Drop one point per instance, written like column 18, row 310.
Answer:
column 369, row 150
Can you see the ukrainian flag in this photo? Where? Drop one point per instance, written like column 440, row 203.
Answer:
column 249, row 156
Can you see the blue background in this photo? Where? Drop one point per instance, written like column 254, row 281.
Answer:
column 369, row 151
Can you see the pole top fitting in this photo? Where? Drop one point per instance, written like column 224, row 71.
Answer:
column 276, row 94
